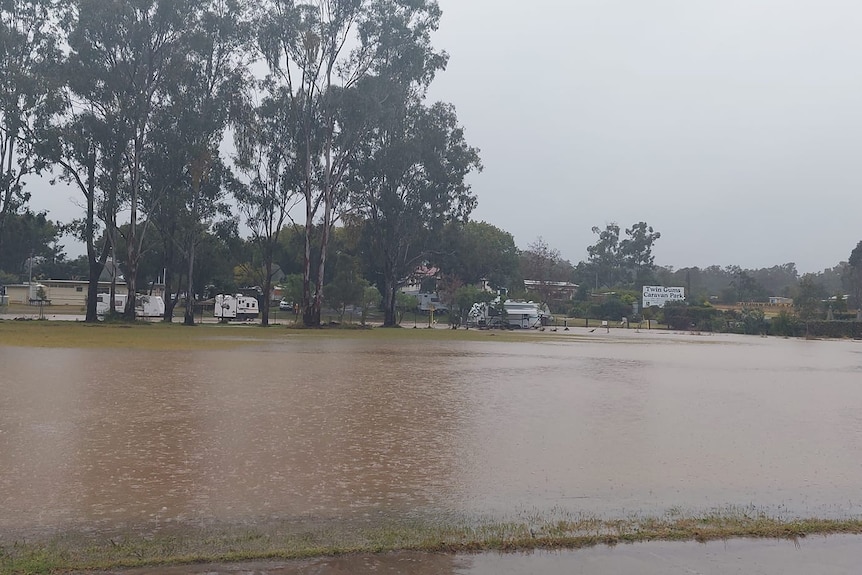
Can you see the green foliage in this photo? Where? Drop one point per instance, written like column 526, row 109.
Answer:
column 675, row 315
column 681, row 316
column 465, row 297
column 628, row 262
column 833, row 329
column 28, row 233
column 613, row 309
column 854, row 275
column 408, row 181
column 809, row 297
column 785, row 323
column 474, row 251
column 346, row 288
column 754, row 321
column 404, row 303
column 7, row 278
column 30, row 96
column 370, row 299
column 291, row 287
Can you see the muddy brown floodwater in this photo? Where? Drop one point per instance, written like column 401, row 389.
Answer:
column 309, row 429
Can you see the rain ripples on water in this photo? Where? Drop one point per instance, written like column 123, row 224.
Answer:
column 353, row 429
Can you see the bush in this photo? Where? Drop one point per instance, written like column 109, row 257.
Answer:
column 832, row 329
column 678, row 315
column 613, row 309
column 785, row 323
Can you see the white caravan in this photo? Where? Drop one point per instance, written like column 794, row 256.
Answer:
column 239, row 307
column 427, row 301
column 519, row 314
column 145, row 305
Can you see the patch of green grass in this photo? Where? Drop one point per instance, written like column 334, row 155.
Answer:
column 75, row 553
column 175, row 336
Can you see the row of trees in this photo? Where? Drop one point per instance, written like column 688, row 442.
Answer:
column 133, row 100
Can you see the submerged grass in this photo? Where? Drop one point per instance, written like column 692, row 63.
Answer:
column 290, row 541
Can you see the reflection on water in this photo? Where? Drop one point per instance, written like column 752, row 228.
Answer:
column 310, row 429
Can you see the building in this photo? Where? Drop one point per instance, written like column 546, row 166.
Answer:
column 64, row 292
column 556, row 291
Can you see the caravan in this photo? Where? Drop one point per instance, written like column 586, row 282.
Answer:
column 511, row 315
column 145, row 305
column 238, row 307
column 426, row 302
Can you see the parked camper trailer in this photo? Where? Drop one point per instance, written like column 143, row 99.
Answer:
column 518, row 315
column 235, row 307
column 429, row 300
column 145, row 305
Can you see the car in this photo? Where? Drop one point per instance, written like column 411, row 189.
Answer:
column 285, row 305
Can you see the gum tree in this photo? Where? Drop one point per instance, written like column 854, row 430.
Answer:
column 408, row 182
column 317, row 52
column 266, row 155
column 30, row 95
column 124, row 55
column 185, row 174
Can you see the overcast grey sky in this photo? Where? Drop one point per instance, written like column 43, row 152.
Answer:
column 734, row 127
column 731, row 126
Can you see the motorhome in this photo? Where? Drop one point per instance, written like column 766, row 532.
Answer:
column 145, row 305
column 511, row 314
column 235, row 307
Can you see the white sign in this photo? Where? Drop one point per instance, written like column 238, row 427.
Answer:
column 660, row 295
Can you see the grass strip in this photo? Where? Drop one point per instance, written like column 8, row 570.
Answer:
column 175, row 336
column 80, row 554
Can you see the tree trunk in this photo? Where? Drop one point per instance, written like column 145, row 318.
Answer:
column 93, row 291
column 96, row 263
column 189, row 317
column 170, row 299
column 267, row 289
column 308, row 318
column 390, row 319
column 318, row 285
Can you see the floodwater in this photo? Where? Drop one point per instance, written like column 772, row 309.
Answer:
column 310, row 429
column 834, row 555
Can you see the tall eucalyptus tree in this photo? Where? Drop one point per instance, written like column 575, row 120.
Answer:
column 30, row 94
column 267, row 155
column 409, row 182
column 317, row 52
column 125, row 54
column 186, row 175
column 90, row 156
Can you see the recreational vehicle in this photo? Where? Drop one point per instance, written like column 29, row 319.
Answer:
column 145, row 305
column 427, row 301
column 511, row 314
column 235, row 307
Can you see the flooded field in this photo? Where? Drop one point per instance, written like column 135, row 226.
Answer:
column 837, row 555
column 314, row 430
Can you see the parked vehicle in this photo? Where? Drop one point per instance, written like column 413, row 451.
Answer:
column 285, row 305
column 511, row 314
column 429, row 301
column 145, row 305
column 235, row 307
